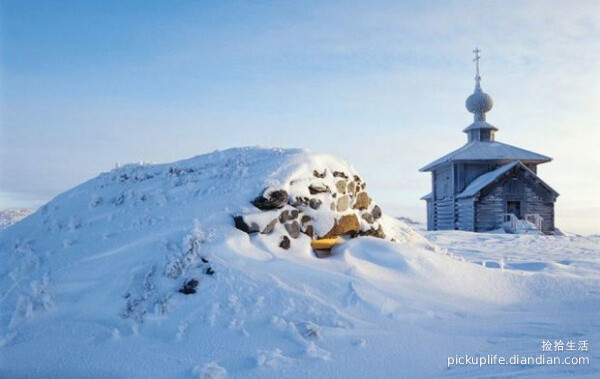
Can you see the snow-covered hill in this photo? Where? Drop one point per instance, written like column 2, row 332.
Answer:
column 91, row 285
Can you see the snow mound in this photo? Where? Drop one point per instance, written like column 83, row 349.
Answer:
column 141, row 272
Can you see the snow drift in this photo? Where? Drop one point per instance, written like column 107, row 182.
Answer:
column 141, row 272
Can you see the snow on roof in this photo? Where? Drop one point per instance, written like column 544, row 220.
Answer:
column 492, row 150
column 429, row 196
column 488, row 178
column 485, row 179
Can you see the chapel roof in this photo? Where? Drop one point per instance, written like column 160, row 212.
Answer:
column 488, row 151
column 490, row 177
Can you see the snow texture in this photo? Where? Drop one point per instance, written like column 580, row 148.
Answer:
column 90, row 286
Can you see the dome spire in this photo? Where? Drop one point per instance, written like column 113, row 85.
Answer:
column 479, row 103
column 476, row 60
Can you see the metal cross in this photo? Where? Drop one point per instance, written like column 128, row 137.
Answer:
column 476, row 60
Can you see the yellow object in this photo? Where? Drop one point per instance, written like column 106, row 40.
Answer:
column 325, row 243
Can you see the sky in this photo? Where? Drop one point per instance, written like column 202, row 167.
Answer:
column 88, row 84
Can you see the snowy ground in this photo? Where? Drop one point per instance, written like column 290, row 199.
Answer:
column 560, row 255
column 89, row 287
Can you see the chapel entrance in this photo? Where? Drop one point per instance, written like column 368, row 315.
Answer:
column 514, row 207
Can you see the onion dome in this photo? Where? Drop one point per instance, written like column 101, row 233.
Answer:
column 479, row 102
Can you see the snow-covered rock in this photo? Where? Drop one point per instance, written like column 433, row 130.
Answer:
column 331, row 201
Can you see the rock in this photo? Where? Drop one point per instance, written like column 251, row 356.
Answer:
column 241, row 224
column 293, row 229
column 273, row 200
column 270, row 227
column 376, row 212
column 352, row 188
column 189, row 287
column 373, row 232
column 343, row 203
column 332, row 206
column 320, row 175
column 362, row 201
column 309, row 231
column 317, row 188
column 244, row 227
column 339, row 174
column 363, row 185
column 357, row 179
column 300, row 201
column 345, row 225
column 368, row 217
column 305, row 219
column 315, row 203
column 285, row 243
column 288, row 215
column 341, row 186
column 209, row 271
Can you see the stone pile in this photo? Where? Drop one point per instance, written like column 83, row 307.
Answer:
column 326, row 205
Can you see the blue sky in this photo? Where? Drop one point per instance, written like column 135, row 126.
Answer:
column 87, row 84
